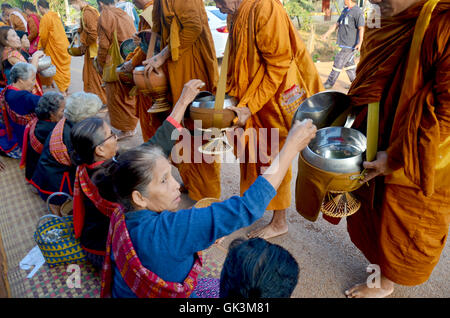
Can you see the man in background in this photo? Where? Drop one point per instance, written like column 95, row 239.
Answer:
column 350, row 26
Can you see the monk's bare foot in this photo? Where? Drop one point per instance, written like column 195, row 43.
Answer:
column 364, row 291
column 278, row 226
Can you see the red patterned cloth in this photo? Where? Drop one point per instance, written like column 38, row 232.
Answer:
column 57, row 147
column 34, row 142
column 85, row 187
column 15, row 117
column 143, row 282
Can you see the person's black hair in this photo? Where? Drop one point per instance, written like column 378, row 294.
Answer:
column 256, row 268
column 44, row 4
column 106, row 1
column 6, row 6
column 30, row 6
column 124, row 173
column 84, row 136
column 48, row 104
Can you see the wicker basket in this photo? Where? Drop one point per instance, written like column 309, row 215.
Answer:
column 339, row 204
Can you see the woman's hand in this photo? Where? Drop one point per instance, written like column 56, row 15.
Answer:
column 301, row 134
column 377, row 167
column 35, row 58
column 243, row 114
column 190, row 91
column 298, row 138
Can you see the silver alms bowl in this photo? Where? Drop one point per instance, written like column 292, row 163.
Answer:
column 336, row 149
column 323, row 108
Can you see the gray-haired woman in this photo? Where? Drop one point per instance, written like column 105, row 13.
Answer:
column 17, row 108
column 49, row 111
column 54, row 171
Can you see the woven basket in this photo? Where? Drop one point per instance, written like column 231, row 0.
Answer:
column 66, row 249
column 339, row 204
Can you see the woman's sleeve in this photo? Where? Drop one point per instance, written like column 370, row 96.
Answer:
column 165, row 137
column 192, row 230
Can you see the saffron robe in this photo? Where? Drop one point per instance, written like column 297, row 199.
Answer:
column 53, row 41
column 149, row 122
column 183, row 26
column 92, row 80
column 121, row 106
column 404, row 219
column 270, row 72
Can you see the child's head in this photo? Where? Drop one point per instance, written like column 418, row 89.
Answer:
column 141, row 178
column 256, row 268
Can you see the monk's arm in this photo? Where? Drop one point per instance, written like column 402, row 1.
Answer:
column 103, row 45
column 90, row 24
column 274, row 48
column 189, row 14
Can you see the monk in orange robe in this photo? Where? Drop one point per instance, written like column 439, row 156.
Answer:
column 149, row 122
column 92, row 80
column 188, row 53
column 16, row 18
column 53, row 41
column 121, row 106
column 33, row 21
column 270, row 73
column 403, row 222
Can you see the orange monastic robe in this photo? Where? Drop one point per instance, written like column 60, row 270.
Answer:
column 33, row 27
column 53, row 41
column 92, row 80
column 183, row 26
column 404, row 219
column 149, row 122
column 17, row 23
column 271, row 73
column 121, row 106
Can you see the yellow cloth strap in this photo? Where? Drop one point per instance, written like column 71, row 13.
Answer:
column 372, row 130
column 174, row 39
column 221, row 87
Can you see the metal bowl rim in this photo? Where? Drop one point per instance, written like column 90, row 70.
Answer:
column 338, row 159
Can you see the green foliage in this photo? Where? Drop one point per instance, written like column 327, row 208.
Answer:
column 209, row 3
column 301, row 10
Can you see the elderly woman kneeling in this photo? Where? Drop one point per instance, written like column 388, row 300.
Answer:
column 17, row 107
column 49, row 111
column 54, row 171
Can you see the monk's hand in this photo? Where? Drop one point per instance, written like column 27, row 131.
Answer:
column 153, row 63
column 243, row 114
column 136, row 39
column 127, row 67
column 300, row 134
column 377, row 167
